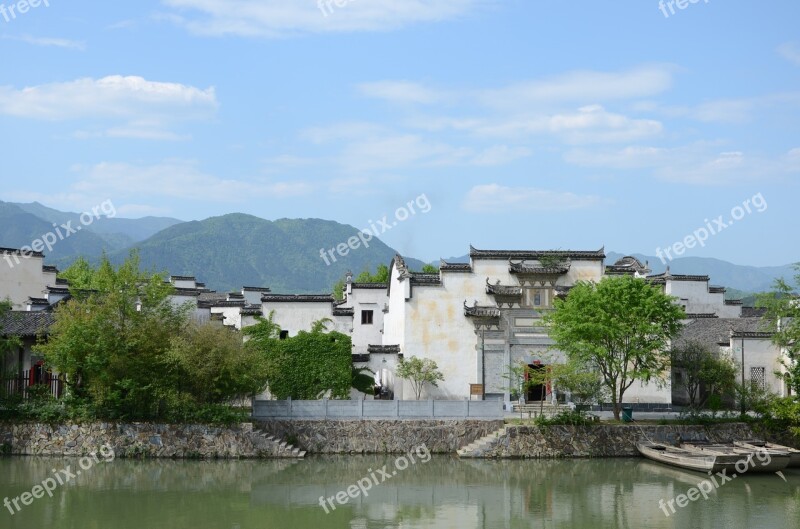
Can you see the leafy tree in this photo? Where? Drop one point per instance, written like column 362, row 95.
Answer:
column 80, row 274
column 701, row 368
column 363, row 379
column 112, row 343
column 212, row 364
column 430, row 269
column 783, row 318
column 381, row 275
column 419, row 372
column 622, row 325
column 583, row 382
column 305, row 366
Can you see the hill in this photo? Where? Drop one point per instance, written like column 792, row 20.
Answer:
column 237, row 250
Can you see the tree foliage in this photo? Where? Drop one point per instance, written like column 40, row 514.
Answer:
column 703, row 374
column 419, row 372
column 622, row 325
column 305, row 366
column 783, row 318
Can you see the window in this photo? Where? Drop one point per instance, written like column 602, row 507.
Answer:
column 366, row 317
column 758, row 377
column 536, row 298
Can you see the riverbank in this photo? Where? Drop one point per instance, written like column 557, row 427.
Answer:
column 293, row 438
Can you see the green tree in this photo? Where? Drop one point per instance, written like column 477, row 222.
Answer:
column 112, row 343
column 419, row 372
column 381, row 275
column 622, row 325
column 430, row 269
column 80, row 274
column 212, row 364
column 702, row 369
column 305, row 366
column 583, row 382
column 783, row 318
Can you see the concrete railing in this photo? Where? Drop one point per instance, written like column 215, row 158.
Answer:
column 377, row 409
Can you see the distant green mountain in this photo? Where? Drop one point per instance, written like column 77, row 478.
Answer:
column 238, row 250
column 19, row 228
column 117, row 231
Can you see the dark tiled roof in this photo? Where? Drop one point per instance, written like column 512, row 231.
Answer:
column 360, row 358
column 17, row 251
column 533, row 255
column 185, row 292
column 183, row 278
column 49, row 269
column 713, row 289
column 753, row 312
column 455, row 267
column 344, row 311
column 62, row 282
column 477, row 311
column 425, row 279
column 213, row 296
column 753, row 334
column 26, row 324
column 676, row 277
column 733, row 301
column 522, row 268
column 253, row 310
column 698, row 315
column 713, row 331
column 225, row 303
column 297, row 298
column 254, row 289
column 57, row 290
column 372, row 286
column 38, row 301
column 502, row 290
column 384, row 349
column 235, row 295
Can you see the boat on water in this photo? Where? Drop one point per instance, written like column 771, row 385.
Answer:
column 688, row 458
column 794, row 454
column 750, row 460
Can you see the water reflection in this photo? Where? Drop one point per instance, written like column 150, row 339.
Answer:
column 443, row 493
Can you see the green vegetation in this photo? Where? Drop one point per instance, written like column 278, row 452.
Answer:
column 702, row 370
column 783, row 316
column 419, row 372
column 307, row 366
column 622, row 325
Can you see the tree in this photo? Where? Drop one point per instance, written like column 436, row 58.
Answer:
column 80, row 274
column 112, row 342
column 701, row 369
column 430, row 269
column 622, row 325
column 212, row 364
column 584, row 383
column 783, row 318
column 419, row 372
column 305, row 366
column 381, row 275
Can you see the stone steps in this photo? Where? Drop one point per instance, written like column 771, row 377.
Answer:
column 480, row 447
column 280, row 448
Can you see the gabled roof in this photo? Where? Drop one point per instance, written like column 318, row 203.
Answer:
column 533, row 255
column 478, row 311
column 713, row 331
column 371, row 286
column 455, row 267
column 26, row 324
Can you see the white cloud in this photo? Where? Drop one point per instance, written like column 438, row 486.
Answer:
column 701, row 163
column 790, row 51
column 110, row 97
column 584, row 87
column 398, row 151
column 279, row 18
column 179, row 179
column 402, row 92
column 500, row 155
column 48, row 41
column 495, row 198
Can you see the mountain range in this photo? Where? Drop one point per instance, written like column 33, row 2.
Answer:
column 236, row 250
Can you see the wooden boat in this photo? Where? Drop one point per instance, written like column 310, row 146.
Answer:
column 794, row 454
column 688, row 458
column 776, row 461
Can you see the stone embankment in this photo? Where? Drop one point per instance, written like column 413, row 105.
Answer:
column 144, row 440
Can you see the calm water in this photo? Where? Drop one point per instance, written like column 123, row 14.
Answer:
column 442, row 493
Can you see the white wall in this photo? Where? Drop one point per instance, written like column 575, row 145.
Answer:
column 23, row 279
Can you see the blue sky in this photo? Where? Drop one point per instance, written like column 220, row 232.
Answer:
column 526, row 123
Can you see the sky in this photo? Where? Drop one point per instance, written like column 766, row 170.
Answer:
column 507, row 124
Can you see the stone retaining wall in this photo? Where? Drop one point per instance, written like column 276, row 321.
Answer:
column 138, row 440
column 599, row 440
column 379, row 437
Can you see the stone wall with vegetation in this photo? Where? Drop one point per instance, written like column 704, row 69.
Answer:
column 379, row 436
column 138, row 440
column 599, row 440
